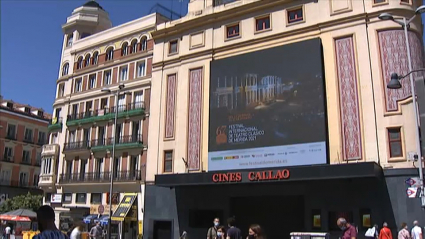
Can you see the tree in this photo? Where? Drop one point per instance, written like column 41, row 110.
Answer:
column 29, row 201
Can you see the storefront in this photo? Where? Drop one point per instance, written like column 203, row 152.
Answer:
column 126, row 216
column 281, row 200
column 100, row 213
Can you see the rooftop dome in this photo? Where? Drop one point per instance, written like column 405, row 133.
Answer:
column 92, row 4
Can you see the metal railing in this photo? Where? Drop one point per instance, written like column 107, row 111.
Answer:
column 11, row 136
column 78, row 145
column 105, row 111
column 127, row 139
column 26, row 162
column 7, row 159
column 131, row 175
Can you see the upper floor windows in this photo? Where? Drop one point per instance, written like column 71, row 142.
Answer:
column 61, row 90
column 87, row 61
column 232, row 31
column 173, row 47
column 95, row 58
column 221, row 2
column 78, row 85
column 109, row 54
column 144, row 44
column 379, row 1
column 65, row 69
column 262, row 23
column 80, row 63
column 107, row 77
column 124, row 49
column 395, row 142
column 141, row 69
column 92, row 81
column 69, row 40
column 123, row 73
column 133, row 46
column 296, row 15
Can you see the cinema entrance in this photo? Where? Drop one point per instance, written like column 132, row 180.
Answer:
column 293, row 199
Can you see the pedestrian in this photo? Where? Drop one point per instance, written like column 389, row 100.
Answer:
column 403, row 233
column 96, row 231
column 233, row 232
column 76, row 233
column 7, row 231
column 255, row 232
column 373, row 232
column 385, row 232
column 46, row 224
column 416, row 231
column 212, row 231
column 348, row 231
column 221, row 233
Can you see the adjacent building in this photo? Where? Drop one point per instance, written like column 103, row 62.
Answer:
column 268, row 110
column 23, row 131
column 97, row 61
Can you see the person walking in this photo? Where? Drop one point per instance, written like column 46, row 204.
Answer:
column 46, row 224
column 385, row 232
column 212, row 231
column 416, row 231
column 255, row 232
column 7, row 231
column 96, row 232
column 403, row 233
column 233, row 232
column 76, row 232
column 348, row 231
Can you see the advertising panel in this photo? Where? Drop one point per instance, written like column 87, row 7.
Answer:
column 267, row 108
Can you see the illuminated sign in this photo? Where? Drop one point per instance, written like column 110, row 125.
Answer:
column 235, row 177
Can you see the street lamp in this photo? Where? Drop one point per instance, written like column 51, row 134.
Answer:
column 111, row 164
column 395, row 84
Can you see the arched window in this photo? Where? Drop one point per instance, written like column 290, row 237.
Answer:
column 80, row 62
column 87, row 61
column 110, row 54
column 95, row 58
column 65, row 69
column 144, row 44
column 124, row 49
column 134, row 46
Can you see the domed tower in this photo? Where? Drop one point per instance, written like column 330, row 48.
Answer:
column 86, row 20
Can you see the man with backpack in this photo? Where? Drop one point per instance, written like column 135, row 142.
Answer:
column 212, row 231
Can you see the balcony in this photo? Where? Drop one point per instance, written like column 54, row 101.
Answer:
column 124, row 111
column 50, row 150
column 102, row 177
column 124, row 142
column 55, row 124
column 47, row 180
column 8, row 159
column 76, row 146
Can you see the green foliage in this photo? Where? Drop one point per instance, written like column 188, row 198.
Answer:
column 29, row 201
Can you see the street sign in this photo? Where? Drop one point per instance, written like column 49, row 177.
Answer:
column 413, row 182
column 100, row 209
column 412, row 192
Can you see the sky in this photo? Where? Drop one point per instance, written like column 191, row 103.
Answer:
column 31, row 40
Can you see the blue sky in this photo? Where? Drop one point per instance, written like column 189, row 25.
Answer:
column 31, row 41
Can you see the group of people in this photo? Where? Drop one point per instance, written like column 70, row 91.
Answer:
column 232, row 232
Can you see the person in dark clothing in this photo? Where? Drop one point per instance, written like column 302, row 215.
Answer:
column 255, row 232
column 233, row 232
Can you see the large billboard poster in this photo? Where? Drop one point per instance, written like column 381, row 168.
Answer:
column 267, row 108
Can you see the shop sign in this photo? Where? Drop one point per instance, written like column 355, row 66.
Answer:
column 101, row 209
column 56, row 198
column 235, row 177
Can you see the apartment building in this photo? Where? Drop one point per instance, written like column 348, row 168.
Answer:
column 104, row 70
column 23, row 131
column 279, row 109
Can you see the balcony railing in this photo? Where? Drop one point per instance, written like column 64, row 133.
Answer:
column 26, row 161
column 16, row 183
column 78, row 145
column 11, row 136
column 90, row 116
column 8, row 159
column 55, row 124
column 221, row 2
column 119, row 176
column 50, row 149
column 128, row 141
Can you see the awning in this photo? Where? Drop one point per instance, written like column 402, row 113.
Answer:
column 124, row 206
column 264, row 175
column 103, row 220
column 14, row 218
column 88, row 219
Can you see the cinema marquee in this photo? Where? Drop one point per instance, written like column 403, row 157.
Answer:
column 253, row 176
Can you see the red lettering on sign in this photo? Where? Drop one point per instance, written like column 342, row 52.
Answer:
column 226, row 177
column 252, row 176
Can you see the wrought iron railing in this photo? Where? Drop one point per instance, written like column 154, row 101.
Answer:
column 100, row 112
column 127, row 139
column 78, row 145
column 131, row 175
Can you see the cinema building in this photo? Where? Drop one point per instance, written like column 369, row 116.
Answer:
column 277, row 113
column 97, row 60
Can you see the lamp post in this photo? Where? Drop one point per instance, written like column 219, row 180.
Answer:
column 395, row 84
column 111, row 163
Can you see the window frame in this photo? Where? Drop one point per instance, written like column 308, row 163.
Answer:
column 231, row 37
column 296, row 21
column 31, row 135
column 89, row 85
column 137, row 69
column 91, row 198
column 64, row 198
column 109, row 56
column 14, row 131
column 104, row 78
column 399, row 140
column 165, row 160
column 170, row 43
column 120, row 73
column 256, row 19
column 124, row 49
column 78, row 82
column 375, row 3
column 80, row 202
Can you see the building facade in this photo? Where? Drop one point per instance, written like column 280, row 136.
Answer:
column 250, row 93
column 23, row 131
column 98, row 60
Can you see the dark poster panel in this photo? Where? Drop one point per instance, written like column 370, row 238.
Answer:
column 267, row 108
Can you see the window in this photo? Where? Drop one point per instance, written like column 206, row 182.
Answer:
column 295, row 15
column 9, row 105
column 80, row 198
column 47, row 166
column 141, row 69
column 168, row 161
column 69, row 40
column 144, row 44
column 87, row 61
column 405, row 1
column 72, row 137
column 26, row 156
column 35, row 180
column 123, row 73
column 40, row 113
column 262, row 23
column 96, row 198
column 104, row 103
column 107, row 77
column 67, row 197
column 133, row 46
column 138, row 99
column 110, row 54
column 41, row 137
column 80, row 63
column 61, row 90
column 92, row 81
column 8, row 154
column 5, row 176
column 11, row 131
column 232, row 31
column 124, row 49
column 379, row 1
column 78, row 85
column 95, row 58
column 84, row 35
column 221, row 2
column 394, row 138
column 65, row 69
column 27, row 110
column 28, row 135
column 173, row 47
column 23, row 179
column 38, row 159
